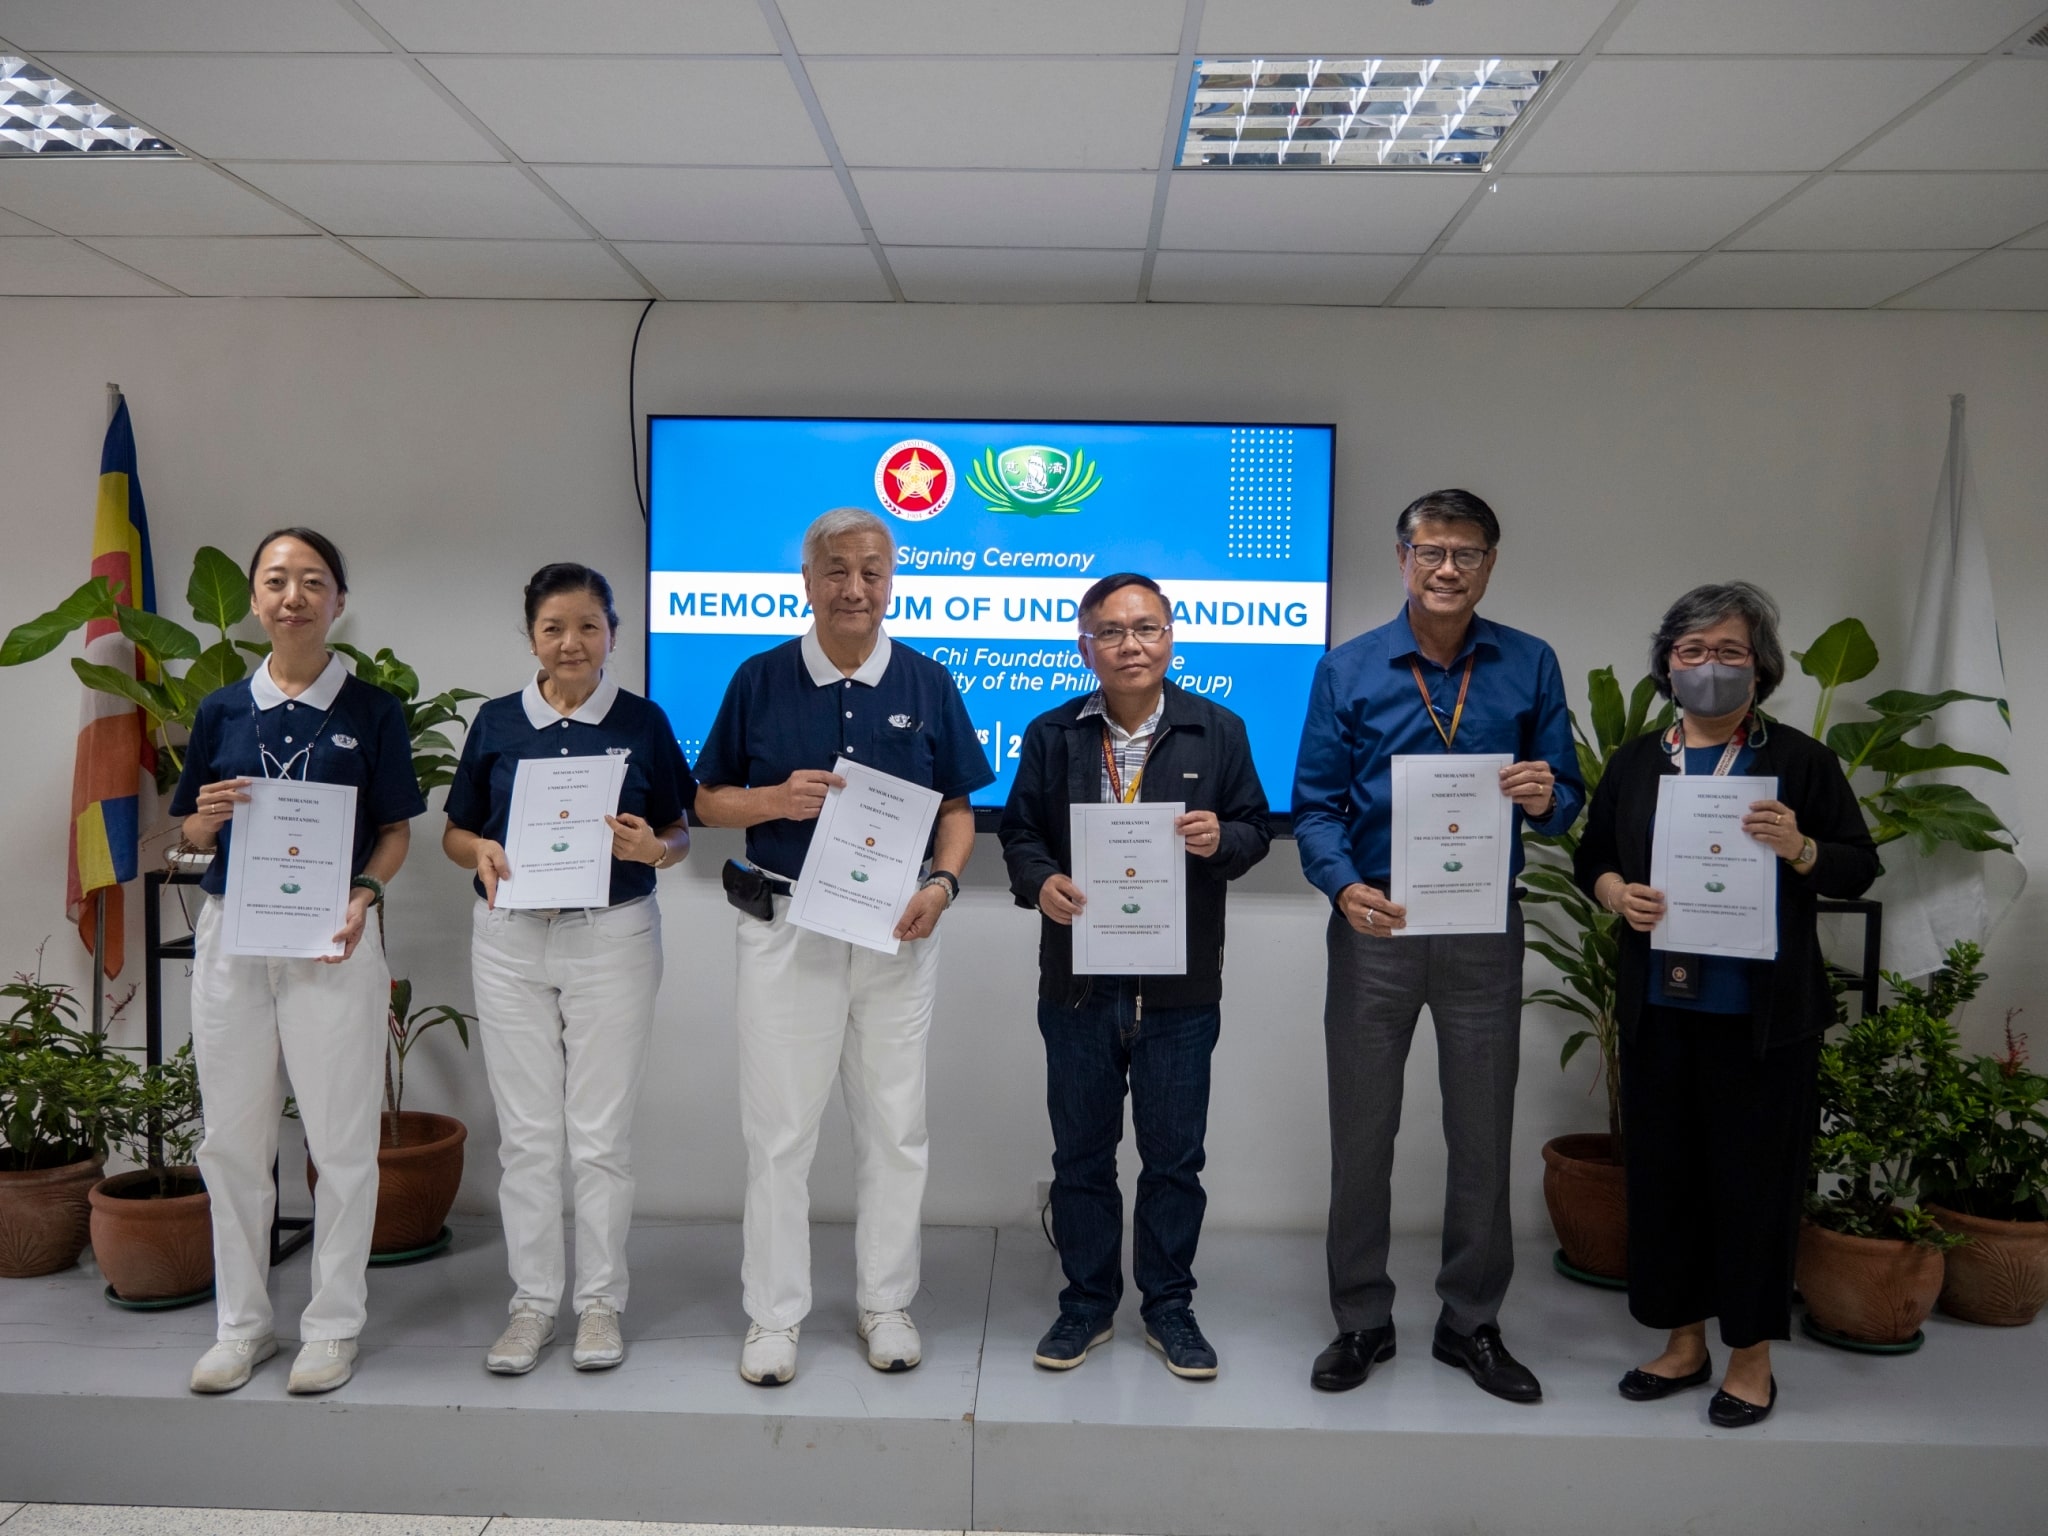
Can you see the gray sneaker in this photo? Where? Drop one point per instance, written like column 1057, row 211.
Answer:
column 518, row 1348
column 599, row 1345
column 323, row 1365
column 227, row 1365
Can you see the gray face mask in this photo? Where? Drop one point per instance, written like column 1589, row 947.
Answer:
column 1712, row 688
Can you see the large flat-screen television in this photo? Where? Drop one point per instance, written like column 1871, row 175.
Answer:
column 1000, row 527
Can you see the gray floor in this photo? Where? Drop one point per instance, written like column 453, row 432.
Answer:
column 1948, row 1439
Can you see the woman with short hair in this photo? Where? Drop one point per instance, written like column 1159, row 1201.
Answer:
column 565, row 996
column 1719, row 1056
column 301, row 715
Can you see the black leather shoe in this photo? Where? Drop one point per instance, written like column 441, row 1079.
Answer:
column 1487, row 1360
column 1351, row 1357
column 1647, row 1387
column 1732, row 1412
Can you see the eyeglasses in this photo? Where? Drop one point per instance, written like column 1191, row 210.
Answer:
column 1431, row 556
column 1110, row 636
column 1732, row 653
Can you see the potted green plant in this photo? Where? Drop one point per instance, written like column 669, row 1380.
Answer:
column 1984, row 1175
column 152, row 1227
column 1870, row 1256
column 63, row 1094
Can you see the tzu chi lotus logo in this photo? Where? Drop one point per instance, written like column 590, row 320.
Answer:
column 914, row 480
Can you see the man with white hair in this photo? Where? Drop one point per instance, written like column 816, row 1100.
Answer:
column 811, row 1007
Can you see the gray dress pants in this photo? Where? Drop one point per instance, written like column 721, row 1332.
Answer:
column 1472, row 984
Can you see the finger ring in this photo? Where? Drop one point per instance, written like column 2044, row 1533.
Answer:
column 1371, row 916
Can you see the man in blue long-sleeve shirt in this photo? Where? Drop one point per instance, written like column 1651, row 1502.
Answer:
column 1437, row 679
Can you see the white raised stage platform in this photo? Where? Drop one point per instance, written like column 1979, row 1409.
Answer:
column 93, row 1409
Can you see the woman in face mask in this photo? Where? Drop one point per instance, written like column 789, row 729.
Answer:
column 1719, row 1055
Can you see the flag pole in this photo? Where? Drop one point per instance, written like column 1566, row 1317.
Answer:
column 99, row 904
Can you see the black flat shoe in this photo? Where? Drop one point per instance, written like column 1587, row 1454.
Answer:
column 1647, row 1386
column 1732, row 1412
column 1486, row 1359
column 1350, row 1358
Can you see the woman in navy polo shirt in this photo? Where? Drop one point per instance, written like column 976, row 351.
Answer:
column 300, row 715
column 566, row 997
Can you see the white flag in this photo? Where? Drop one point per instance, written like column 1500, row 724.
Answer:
column 1933, row 901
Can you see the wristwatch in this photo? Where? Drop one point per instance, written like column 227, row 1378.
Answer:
column 946, row 878
column 1808, row 854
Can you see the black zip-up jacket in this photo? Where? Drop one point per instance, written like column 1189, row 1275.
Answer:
column 1201, row 756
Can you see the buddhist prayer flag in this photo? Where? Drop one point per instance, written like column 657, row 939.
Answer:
column 114, row 751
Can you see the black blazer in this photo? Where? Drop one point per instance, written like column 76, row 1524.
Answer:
column 1201, row 756
column 1789, row 996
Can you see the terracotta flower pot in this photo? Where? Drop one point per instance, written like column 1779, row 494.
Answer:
column 1877, row 1290
column 1587, row 1192
column 151, row 1248
column 45, row 1218
column 419, row 1169
column 2000, row 1276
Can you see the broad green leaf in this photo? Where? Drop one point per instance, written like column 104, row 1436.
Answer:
column 1639, row 703
column 219, row 589
column 1897, row 701
column 1844, row 653
column 153, row 697
column 1857, row 741
column 1906, row 758
column 254, row 647
column 1571, row 1047
column 163, row 639
column 366, row 669
column 422, row 740
column 1932, row 814
column 401, row 679
column 218, row 665
column 45, row 632
column 1610, row 717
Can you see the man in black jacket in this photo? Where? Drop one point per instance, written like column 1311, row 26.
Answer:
column 1137, row 737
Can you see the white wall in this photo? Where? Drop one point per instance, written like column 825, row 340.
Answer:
column 452, row 447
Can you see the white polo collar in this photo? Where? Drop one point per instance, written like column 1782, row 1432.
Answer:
column 825, row 671
column 540, row 714
column 325, row 690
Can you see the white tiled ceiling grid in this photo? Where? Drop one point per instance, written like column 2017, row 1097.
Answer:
column 1743, row 153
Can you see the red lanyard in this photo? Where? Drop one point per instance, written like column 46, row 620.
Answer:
column 1458, row 713
column 1676, row 747
column 1117, row 792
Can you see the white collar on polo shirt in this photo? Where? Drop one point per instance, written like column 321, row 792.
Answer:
column 325, row 690
column 540, row 714
column 825, row 671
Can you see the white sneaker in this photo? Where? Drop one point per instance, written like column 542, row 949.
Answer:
column 227, row 1365
column 598, row 1344
column 893, row 1344
column 768, row 1358
column 323, row 1365
column 518, row 1348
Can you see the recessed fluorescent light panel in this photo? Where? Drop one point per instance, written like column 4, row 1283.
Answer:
column 43, row 115
column 1388, row 114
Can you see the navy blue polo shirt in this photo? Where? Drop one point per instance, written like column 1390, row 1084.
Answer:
column 339, row 731
column 790, row 708
column 658, row 785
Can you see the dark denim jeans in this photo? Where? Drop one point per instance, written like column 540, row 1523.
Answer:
column 1092, row 1050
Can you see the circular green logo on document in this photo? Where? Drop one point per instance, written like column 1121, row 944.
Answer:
column 861, row 875
column 1453, row 865
column 1716, row 885
column 290, row 887
column 1130, row 906
column 559, row 847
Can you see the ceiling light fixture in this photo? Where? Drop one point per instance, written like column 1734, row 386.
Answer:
column 41, row 114
column 1356, row 113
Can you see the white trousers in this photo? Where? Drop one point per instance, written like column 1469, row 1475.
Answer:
column 813, row 1008
column 327, row 1024
column 565, row 1006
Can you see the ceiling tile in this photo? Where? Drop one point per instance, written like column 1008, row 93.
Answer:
column 1263, row 28
column 505, row 269
column 1998, row 280
column 639, row 111
column 1903, row 211
column 685, row 203
column 1723, row 114
column 943, row 275
column 1084, row 114
column 15, row 224
column 61, row 267
column 1538, row 282
column 588, row 26
column 223, row 26
column 482, row 202
column 262, row 108
column 799, row 273
column 2038, row 240
column 1234, row 277
column 99, row 195
column 1799, row 279
column 1076, row 209
column 984, row 26
column 1997, row 120
column 1818, row 26
column 1615, row 213
column 290, row 266
column 1385, row 211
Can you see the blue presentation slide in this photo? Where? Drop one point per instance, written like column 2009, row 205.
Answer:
column 1000, row 527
